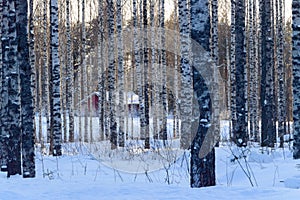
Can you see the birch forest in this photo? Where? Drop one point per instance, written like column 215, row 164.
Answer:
column 153, row 82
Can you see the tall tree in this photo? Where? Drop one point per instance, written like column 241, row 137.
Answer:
column 111, row 75
column 268, row 131
column 186, row 95
column 13, row 106
column 55, row 110
column 100, row 56
column 84, row 71
column 240, row 137
column 27, row 90
column 296, row 76
column 70, row 76
column 281, row 108
column 4, row 43
column 120, row 74
column 233, row 115
column 202, row 165
column 146, row 76
column 47, row 66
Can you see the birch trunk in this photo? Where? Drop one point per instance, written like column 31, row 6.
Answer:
column 14, row 101
column 296, row 77
column 120, row 74
column 202, row 167
column 26, row 90
column 267, row 76
column 241, row 136
column 4, row 89
column 111, row 75
column 56, row 131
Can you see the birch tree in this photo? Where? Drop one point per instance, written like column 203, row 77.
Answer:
column 186, row 70
column 26, row 90
column 240, row 137
column 163, row 64
column 46, row 66
column 233, row 115
column 120, row 74
column 111, row 75
column 101, row 88
column 4, row 88
column 268, row 131
column 13, row 105
column 296, row 77
column 202, row 166
column 70, row 76
column 84, row 71
column 281, row 110
column 56, row 131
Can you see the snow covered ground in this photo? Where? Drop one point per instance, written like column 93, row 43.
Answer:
column 93, row 171
column 78, row 175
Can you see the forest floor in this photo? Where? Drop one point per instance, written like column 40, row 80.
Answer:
column 79, row 174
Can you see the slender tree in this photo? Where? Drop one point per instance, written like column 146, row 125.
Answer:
column 240, row 137
column 233, row 115
column 296, row 77
column 281, row 108
column 202, row 166
column 55, row 81
column 186, row 71
column 13, row 106
column 27, row 90
column 268, row 131
column 111, row 75
column 101, row 73
column 4, row 88
column 70, row 76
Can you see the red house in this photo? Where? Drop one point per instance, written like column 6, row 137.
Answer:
column 90, row 104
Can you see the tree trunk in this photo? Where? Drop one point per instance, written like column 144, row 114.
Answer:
column 27, row 91
column 281, row 111
column 101, row 72
column 241, row 136
column 56, row 131
column 111, row 75
column 4, row 88
column 120, row 74
column 186, row 95
column 296, row 77
column 267, row 76
column 202, row 166
column 70, row 76
column 13, row 106
column 233, row 115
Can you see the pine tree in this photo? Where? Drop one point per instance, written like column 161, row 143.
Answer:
column 296, row 77
column 27, row 89
column 55, row 110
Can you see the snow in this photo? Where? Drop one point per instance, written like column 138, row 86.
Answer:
column 81, row 176
column 86, row 171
